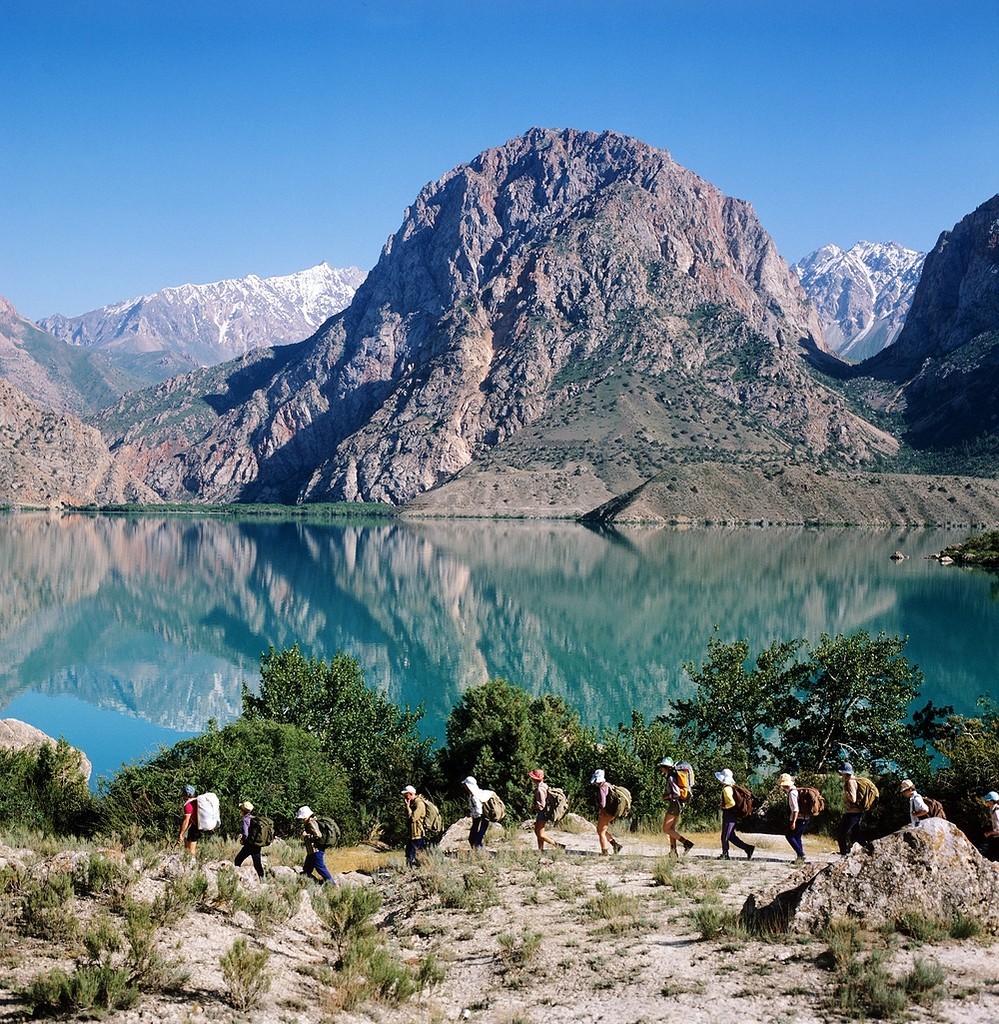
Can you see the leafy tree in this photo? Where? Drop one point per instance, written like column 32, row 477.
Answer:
column 854, row 698
column 739, row 711
column 44, row 790
column 971, row 745
column 278, row 767
column 376, row 743
column 498, row 732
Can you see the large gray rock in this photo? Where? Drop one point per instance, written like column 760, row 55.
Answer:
column 17, row 735
column 930, row 869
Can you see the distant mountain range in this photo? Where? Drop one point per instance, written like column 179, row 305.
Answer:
column 861, row 295
column 178, row 329
column 574, row 324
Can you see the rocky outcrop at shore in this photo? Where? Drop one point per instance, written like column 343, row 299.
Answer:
column 17, row 735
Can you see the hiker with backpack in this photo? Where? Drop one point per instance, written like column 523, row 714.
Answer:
column 679, row 785
column 254, row 840
column 918, row 808
column 189, row 831
column 797, row 822
column 315, row 847
column 483, row 806
column 991, row 846
column 606, row 808
column 859, row 796
column 541, row 809
column 736, row 805
column 416, row 817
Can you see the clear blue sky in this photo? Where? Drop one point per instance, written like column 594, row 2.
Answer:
column 147, row 143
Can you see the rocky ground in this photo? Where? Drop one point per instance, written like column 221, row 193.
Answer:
column 514, row 936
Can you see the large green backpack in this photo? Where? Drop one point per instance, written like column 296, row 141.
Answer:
column 433, row 822
column 867, row 793
column 493, row 809
column 261, row 831
column 556, row 805
column 329, row 832
column 618, row 803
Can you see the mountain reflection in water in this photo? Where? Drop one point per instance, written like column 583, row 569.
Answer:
column 164, row 618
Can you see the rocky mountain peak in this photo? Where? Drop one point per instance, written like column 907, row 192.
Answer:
column 861, row 294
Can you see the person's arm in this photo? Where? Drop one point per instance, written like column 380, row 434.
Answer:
column 792, row 806
column 188, row 814
column 850, row 793
column 919, row 808
column 540, row 796
column 728, row 798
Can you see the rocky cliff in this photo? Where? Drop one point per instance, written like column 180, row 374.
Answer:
column 571, row 306
column 861, row 295
column 51, row 373
column 49, row 459
column 176, row 329
column 944, row 367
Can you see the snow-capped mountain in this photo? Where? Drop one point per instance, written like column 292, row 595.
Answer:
column 178, row 329
column 862, row 294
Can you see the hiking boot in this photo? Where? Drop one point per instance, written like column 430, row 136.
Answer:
column 800, row 860
column 724, row 856
column 687, row 846
column 562, row 846
column 750, row 851
column 605, row 853
column 617, row 846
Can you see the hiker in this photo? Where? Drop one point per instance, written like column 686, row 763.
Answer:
column 251, row 850
column 853, row 811
column 676, row 795
column 918, row 808
column 604, row 814
column 796, row 823
column 992, row 835
column 416, row 817
column 315, row 847
column 540, row 809
column 730, row 816
column 480, row 823
column 189, row 831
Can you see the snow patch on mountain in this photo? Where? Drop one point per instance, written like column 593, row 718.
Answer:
column 861, row 294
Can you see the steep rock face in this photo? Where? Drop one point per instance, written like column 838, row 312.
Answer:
column 51, row 373
column 49, row 459
column 517, row 284
column 946, row 358
column 862, row 294
column 17, row 735
column 176, row 329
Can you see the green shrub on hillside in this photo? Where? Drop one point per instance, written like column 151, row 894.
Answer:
column 278, row 767
column 44, row 790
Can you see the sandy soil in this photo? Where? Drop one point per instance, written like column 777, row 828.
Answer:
column 572, row 937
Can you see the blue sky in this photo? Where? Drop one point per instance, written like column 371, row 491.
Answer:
column 148, row 144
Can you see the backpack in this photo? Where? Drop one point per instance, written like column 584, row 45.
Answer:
column 433, row 822
column 745, row 802
column 867, row 794
column 618, row 803
column 934, row 807
column 811, row 802
column 208, row 812
column 493, row 809
column 556, row 805
column 329, row 833
column 684, row 781
column 261, row 831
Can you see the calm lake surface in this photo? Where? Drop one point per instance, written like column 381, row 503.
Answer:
column 122, row 634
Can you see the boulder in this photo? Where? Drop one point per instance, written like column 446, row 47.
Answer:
column 456, row 837
column 16, row 735
column 930, row 869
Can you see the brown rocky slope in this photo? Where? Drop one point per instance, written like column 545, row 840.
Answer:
column 519, row 286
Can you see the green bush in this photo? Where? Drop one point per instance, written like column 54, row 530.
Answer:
column 279, row 767
column 44, row 790
column 244, row 971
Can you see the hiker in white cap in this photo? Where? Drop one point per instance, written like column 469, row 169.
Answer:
column 480, row 823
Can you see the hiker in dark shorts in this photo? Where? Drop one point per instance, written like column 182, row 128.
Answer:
column 189, row 831
column 537, row 776
column 249, row 849
column 991, row 799
column 674, row 808
column 604, row 816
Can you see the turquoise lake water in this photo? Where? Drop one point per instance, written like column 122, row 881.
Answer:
column 125, row 633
